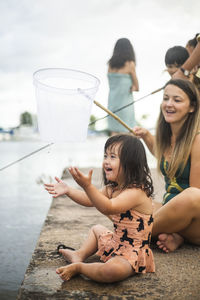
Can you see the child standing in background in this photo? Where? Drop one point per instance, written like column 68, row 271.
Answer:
column 126, row 201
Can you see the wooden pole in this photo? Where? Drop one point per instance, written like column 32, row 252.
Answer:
column 114, row 116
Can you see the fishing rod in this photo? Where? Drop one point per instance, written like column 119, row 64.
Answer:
column 129, row 104
column 103, row 108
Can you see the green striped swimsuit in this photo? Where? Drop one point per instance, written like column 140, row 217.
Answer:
column 177, row 184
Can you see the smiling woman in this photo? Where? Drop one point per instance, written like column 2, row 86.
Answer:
column 178, row 124
column 176, row 107
column 176, row 147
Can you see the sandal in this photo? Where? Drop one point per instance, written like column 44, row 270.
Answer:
column 62, row 246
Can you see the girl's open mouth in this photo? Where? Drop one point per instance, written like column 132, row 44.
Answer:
column 108, row 169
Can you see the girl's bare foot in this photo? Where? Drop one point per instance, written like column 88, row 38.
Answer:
column 169, row 242
column 71, row 255
column 67, row 272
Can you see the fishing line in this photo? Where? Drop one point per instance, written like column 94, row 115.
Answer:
column 127, row 105
column 93, row 122
column 16, row 161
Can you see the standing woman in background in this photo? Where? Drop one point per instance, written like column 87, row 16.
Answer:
column 123, row 81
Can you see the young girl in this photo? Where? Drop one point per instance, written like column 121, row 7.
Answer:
column 126, row 200
column 122, row 81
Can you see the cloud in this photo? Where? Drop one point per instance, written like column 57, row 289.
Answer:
column 80, row 35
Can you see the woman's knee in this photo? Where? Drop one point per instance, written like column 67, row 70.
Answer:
column 194, row 197
column 192, row 194
column 191, row 199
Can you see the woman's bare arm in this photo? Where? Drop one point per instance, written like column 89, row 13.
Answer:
column 190, row 63
column 147, row 137
column 135, row 86
column 195, row 163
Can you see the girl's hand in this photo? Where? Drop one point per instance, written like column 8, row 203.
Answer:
column 134, row 88
column 58, row 189
column 83, row 180
column 140, row 132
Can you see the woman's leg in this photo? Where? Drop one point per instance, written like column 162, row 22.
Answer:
column 177, row 220
column 156, row 206
column 116, row 269
column 88, row 248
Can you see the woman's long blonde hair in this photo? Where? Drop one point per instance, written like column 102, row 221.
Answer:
column 185, row 139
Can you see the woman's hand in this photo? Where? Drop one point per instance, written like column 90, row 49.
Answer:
column 58, row 189
column 83, row 180
column 147, row 137
column 140, row 132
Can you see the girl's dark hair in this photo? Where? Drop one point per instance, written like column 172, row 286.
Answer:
column 176, row 55
column 133, row 163
column 123, row 52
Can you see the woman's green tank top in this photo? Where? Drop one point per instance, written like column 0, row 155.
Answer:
column 177, row 184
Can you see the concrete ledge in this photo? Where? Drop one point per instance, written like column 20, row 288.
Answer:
column 176, row 277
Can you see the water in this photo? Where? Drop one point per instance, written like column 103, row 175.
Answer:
column 24, row 203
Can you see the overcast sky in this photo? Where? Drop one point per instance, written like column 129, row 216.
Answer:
column 80, row 34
